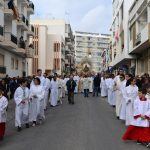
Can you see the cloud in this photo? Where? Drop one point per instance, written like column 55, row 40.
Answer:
column 86, row 15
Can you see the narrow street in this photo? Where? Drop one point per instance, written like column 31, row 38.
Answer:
column 90, row 124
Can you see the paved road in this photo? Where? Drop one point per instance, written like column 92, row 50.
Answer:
column 88, row 125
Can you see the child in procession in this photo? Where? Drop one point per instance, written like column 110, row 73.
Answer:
column 3, row 115
column 139, row 130
column 21, row 98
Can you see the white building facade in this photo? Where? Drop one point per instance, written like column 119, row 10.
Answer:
column 15, row 32
column 92, row 46
column 120, row 36
column 53, row 41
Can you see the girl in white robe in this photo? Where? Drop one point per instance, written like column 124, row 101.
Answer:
column 139, row 130
column 3, row 114
column 54, row 92
column 36, row 103
column 130, row 96
column 21, row 98
column 103, row 87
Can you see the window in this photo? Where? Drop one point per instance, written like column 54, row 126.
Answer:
column 12, row 63
column 16, row 64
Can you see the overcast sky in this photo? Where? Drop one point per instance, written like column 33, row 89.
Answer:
column 84, row 15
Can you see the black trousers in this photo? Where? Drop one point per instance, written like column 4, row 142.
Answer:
column 71, row 97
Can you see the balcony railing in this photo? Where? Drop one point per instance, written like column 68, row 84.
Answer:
column 138, row 39
column 2, row 69
column 14, row 39
column 1, row 30
column 32, row 28
column 31, row 5
column 23, row 18
column 27, row 22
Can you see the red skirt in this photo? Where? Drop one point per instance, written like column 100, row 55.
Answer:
column 141, row 134
column 2, row 129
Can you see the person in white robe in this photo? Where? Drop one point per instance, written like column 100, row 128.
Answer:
column 103, row 87
column 36, row 114
column 76, row 78
column 65, row 81
column 117, row 94
column 81, row 90
column 107, row 81
column 54, row 92
column 139, row 130
column 63, row 88
column 122, row 115
column 21, row 98
column 131, row 95
column 3, row 114
column 91, row 84
column 47, row 89
column 60, row 89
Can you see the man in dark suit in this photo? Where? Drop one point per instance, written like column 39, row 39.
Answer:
column 71, row 84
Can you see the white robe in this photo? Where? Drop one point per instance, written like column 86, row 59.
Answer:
column 54, row 93
column 103, row 87
column 63, row 88
column 110, row 85
column 122, row 115
column 141, row 108
column 81, row 85
column 91, row 84
column 60, row 86
column 46, row 94
column 22, row 109
column 117, row 94
column 76, row 79
column 3, row 106
column 36, row 104
column 131, row 94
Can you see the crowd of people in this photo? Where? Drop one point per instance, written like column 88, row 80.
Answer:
column 128, row 94
column 32, row 97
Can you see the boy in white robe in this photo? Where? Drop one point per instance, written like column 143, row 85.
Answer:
column 103, row 87
column 21, row 98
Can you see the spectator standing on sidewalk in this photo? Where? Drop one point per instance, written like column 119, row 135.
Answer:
column 96, row 84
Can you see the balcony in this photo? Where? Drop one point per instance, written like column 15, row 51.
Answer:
column 141, row 42
column 30, row 31
column 10, row 41
column 30, row 8
column 2, row 70
column 7, row 9
column 1, row 3
column 21, row 47
column 137, row 7
column 1, row 33
column 23, row 22
column 25, row 2
column 30, row 52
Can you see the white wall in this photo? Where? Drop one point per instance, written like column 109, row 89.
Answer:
column 7, row 62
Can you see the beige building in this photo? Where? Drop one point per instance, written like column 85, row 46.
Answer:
column 53, row 42
column 91, row 46
column 15, row 32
